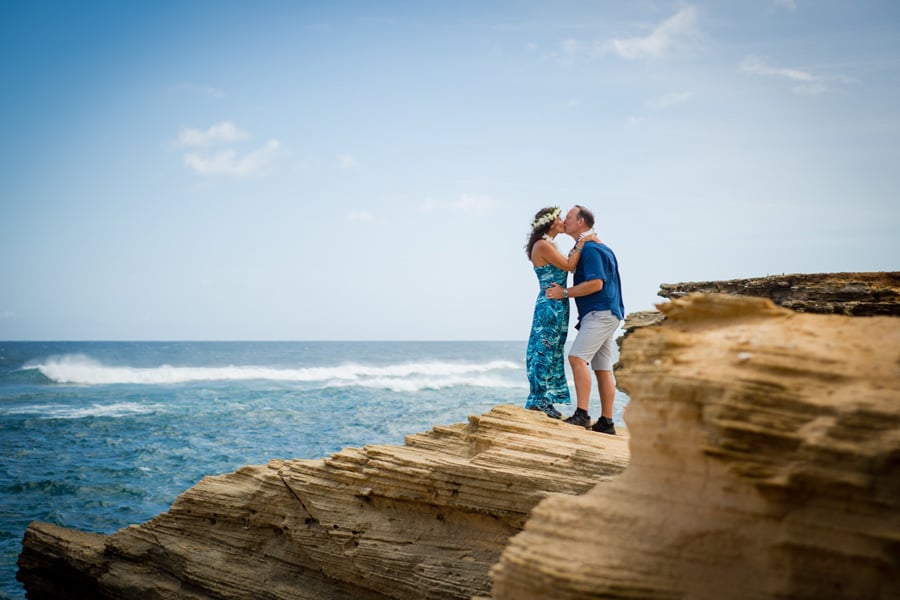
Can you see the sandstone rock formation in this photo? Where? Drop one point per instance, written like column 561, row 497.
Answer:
column 424, row 520
column 857, row 294
column 765, row 463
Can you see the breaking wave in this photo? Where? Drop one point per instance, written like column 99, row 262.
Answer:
column 408, row 376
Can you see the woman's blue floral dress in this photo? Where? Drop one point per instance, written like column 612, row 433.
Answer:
column 545, row 356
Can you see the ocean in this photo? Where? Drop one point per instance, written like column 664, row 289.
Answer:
column 100, row 435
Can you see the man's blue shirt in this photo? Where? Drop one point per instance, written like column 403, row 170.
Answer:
column 599, row 262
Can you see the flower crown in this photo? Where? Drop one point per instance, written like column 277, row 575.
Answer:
column 547, row 218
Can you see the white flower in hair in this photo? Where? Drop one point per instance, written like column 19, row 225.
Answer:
column 547, row 218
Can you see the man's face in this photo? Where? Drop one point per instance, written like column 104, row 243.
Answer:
column 572, row 222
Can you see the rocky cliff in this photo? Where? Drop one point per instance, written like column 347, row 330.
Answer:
column 424, row 520
column 857, row 294
column 765, row 463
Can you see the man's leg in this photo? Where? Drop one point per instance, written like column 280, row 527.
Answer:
column 581, row 373
column 602, row 364
column 580, row 355
column 607, row 385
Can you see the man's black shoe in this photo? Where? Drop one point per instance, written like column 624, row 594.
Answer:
column 580, row 418
column 604, row 425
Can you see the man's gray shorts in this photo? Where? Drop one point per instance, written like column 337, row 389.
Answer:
column 595, row 341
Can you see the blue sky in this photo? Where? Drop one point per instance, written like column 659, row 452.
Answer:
column 369, row 170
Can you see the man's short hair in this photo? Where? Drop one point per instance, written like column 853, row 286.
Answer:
column 586, row 214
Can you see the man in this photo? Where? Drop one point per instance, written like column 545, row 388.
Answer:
column 597, row 292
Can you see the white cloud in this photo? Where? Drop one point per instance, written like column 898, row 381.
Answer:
column 229, row 162
column 670, row 99
column 363, row 216
column 757, row 66
column 226, row 131
column 474, row 203
column 678, row 29
column 806, row 82
column 346, row 161
column 214, row 151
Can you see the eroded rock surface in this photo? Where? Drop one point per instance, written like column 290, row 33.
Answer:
column 765, row 464
column 857, row 294
column 424, row 520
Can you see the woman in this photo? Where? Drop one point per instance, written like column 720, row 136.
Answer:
column 545, row 357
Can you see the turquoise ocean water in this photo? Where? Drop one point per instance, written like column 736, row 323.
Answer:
column 101, row 435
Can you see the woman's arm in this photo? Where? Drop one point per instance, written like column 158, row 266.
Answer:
column 544, row 252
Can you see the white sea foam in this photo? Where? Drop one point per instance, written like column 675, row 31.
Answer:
column 416, row 384
column 61, row 411
column 410, row 376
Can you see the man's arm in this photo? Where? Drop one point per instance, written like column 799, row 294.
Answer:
column 585, row 288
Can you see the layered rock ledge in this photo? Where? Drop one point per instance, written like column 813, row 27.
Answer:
column 424, row 520
column 856, row 294
column 852, row 294
column 765, row 463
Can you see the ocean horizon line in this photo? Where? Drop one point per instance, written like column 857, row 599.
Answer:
column 254, row 341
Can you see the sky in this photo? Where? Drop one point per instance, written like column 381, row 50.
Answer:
column 369, row 170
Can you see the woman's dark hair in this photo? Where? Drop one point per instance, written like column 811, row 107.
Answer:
column 539, row 231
